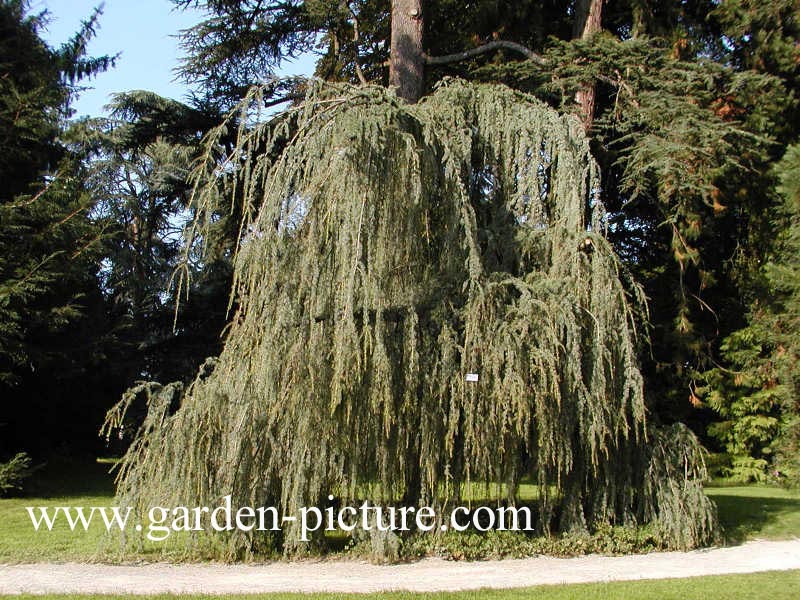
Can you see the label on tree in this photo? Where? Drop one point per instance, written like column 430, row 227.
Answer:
column 472, row 377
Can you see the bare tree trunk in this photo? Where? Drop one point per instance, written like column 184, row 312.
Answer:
column 407, row 58
column 588, row 21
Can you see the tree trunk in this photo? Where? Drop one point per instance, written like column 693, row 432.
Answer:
column 588, row 21
column 407, row 59
column 641, row 12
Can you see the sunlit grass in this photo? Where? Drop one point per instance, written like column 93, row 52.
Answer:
column 746, row 512
column 773, row 585
column 753, row 511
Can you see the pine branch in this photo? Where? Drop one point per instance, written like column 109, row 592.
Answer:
column 491, row 46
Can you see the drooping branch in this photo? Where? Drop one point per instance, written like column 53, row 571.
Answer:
column 491, row 46
column 407, row 255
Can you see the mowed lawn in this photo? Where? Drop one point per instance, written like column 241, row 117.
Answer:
column 89, row 484
column 773, row 586
column 746, row 512
column 757, row 512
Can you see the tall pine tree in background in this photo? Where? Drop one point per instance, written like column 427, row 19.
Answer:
column 753, row 385
column 756, row 392
column 138, row 176
column 51, row 310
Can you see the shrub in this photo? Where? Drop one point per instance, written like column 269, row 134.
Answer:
column 13, row 472
column 471, row 545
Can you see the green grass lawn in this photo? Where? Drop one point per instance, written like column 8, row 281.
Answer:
column 69, row 485
column 757, row 512
column 774, row 586
column 20, row 543
column 55, row 484
column 746, row 512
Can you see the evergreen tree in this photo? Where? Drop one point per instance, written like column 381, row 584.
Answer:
column 752, row 386
column 49, row 245
column 757, row 392
column 687, row 100
column 389, row 251
column 139, row 179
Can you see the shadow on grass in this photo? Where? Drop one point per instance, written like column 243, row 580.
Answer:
column 59, row 478
column 744, row 517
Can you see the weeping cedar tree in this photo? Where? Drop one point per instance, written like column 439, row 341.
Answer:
column 689, row 106
column 396, row 247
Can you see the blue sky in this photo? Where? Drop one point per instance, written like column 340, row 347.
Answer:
column 143, row 31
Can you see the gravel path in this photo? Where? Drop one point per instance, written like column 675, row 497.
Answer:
column 425, row 575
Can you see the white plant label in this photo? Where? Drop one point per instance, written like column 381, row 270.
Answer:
column 472, row 377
